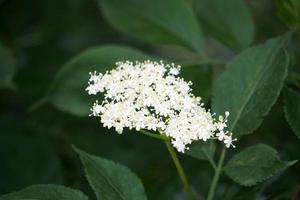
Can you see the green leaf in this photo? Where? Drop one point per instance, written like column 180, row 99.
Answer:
column 46, row 192
column 289, row 12
column 202, row 150
column 68, row 93
column 229, row 21
column 166, row 22
column 110, row 180
column 255, row 164
column 7, row 67
column 292, row 109
column 238, row 192
column 251, row 85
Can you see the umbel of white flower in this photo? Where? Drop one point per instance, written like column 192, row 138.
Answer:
column 150, row 95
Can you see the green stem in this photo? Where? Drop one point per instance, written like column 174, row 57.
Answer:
column 215, row 180
column 212, row 162
column 176, row 161
column 153, row 135
column 186, row 185
column 38, row 104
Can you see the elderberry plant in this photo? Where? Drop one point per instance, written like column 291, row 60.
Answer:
column 235, row 87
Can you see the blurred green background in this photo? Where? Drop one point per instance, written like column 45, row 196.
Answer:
column 35, row 145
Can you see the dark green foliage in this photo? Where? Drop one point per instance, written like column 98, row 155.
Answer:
column 166, row 22
column 201, row 76
column 25, row 162
column 255, row 164
column 46, row 192
column 7, row 67
column 292, row 109
column 229, row 21
column 237, row 53
column 202, row 150
column 251, row 84
column 110, row 180
column 289, row 12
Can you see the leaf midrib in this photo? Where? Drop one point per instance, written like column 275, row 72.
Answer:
column 107, row 179
column 176, row 36
column 181, row 39
column 256, row 82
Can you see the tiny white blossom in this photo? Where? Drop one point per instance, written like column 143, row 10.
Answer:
column 149, row 95
column 228, row 141
column 221, row 135
column 174, row 70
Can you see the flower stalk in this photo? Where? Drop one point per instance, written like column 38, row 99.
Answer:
column 212, row 163
column 153, row 135
column 216, row 177
column 187, row 187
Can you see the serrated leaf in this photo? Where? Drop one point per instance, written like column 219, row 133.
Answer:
column 292, row 109
column 7, row 67
column 67, row 92
column 46, row 192
column 228, row 21
column 110, row 180
column 166, row 22
column 255, row 164
column 251, row 85
column 202, row 150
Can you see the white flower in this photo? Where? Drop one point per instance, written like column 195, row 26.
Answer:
column 221, row 135
column 149, row 95
column 228, row 141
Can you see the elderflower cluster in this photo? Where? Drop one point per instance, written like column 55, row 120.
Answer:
column 150, row 95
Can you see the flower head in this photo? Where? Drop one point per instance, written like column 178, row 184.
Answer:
column 150, row 95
